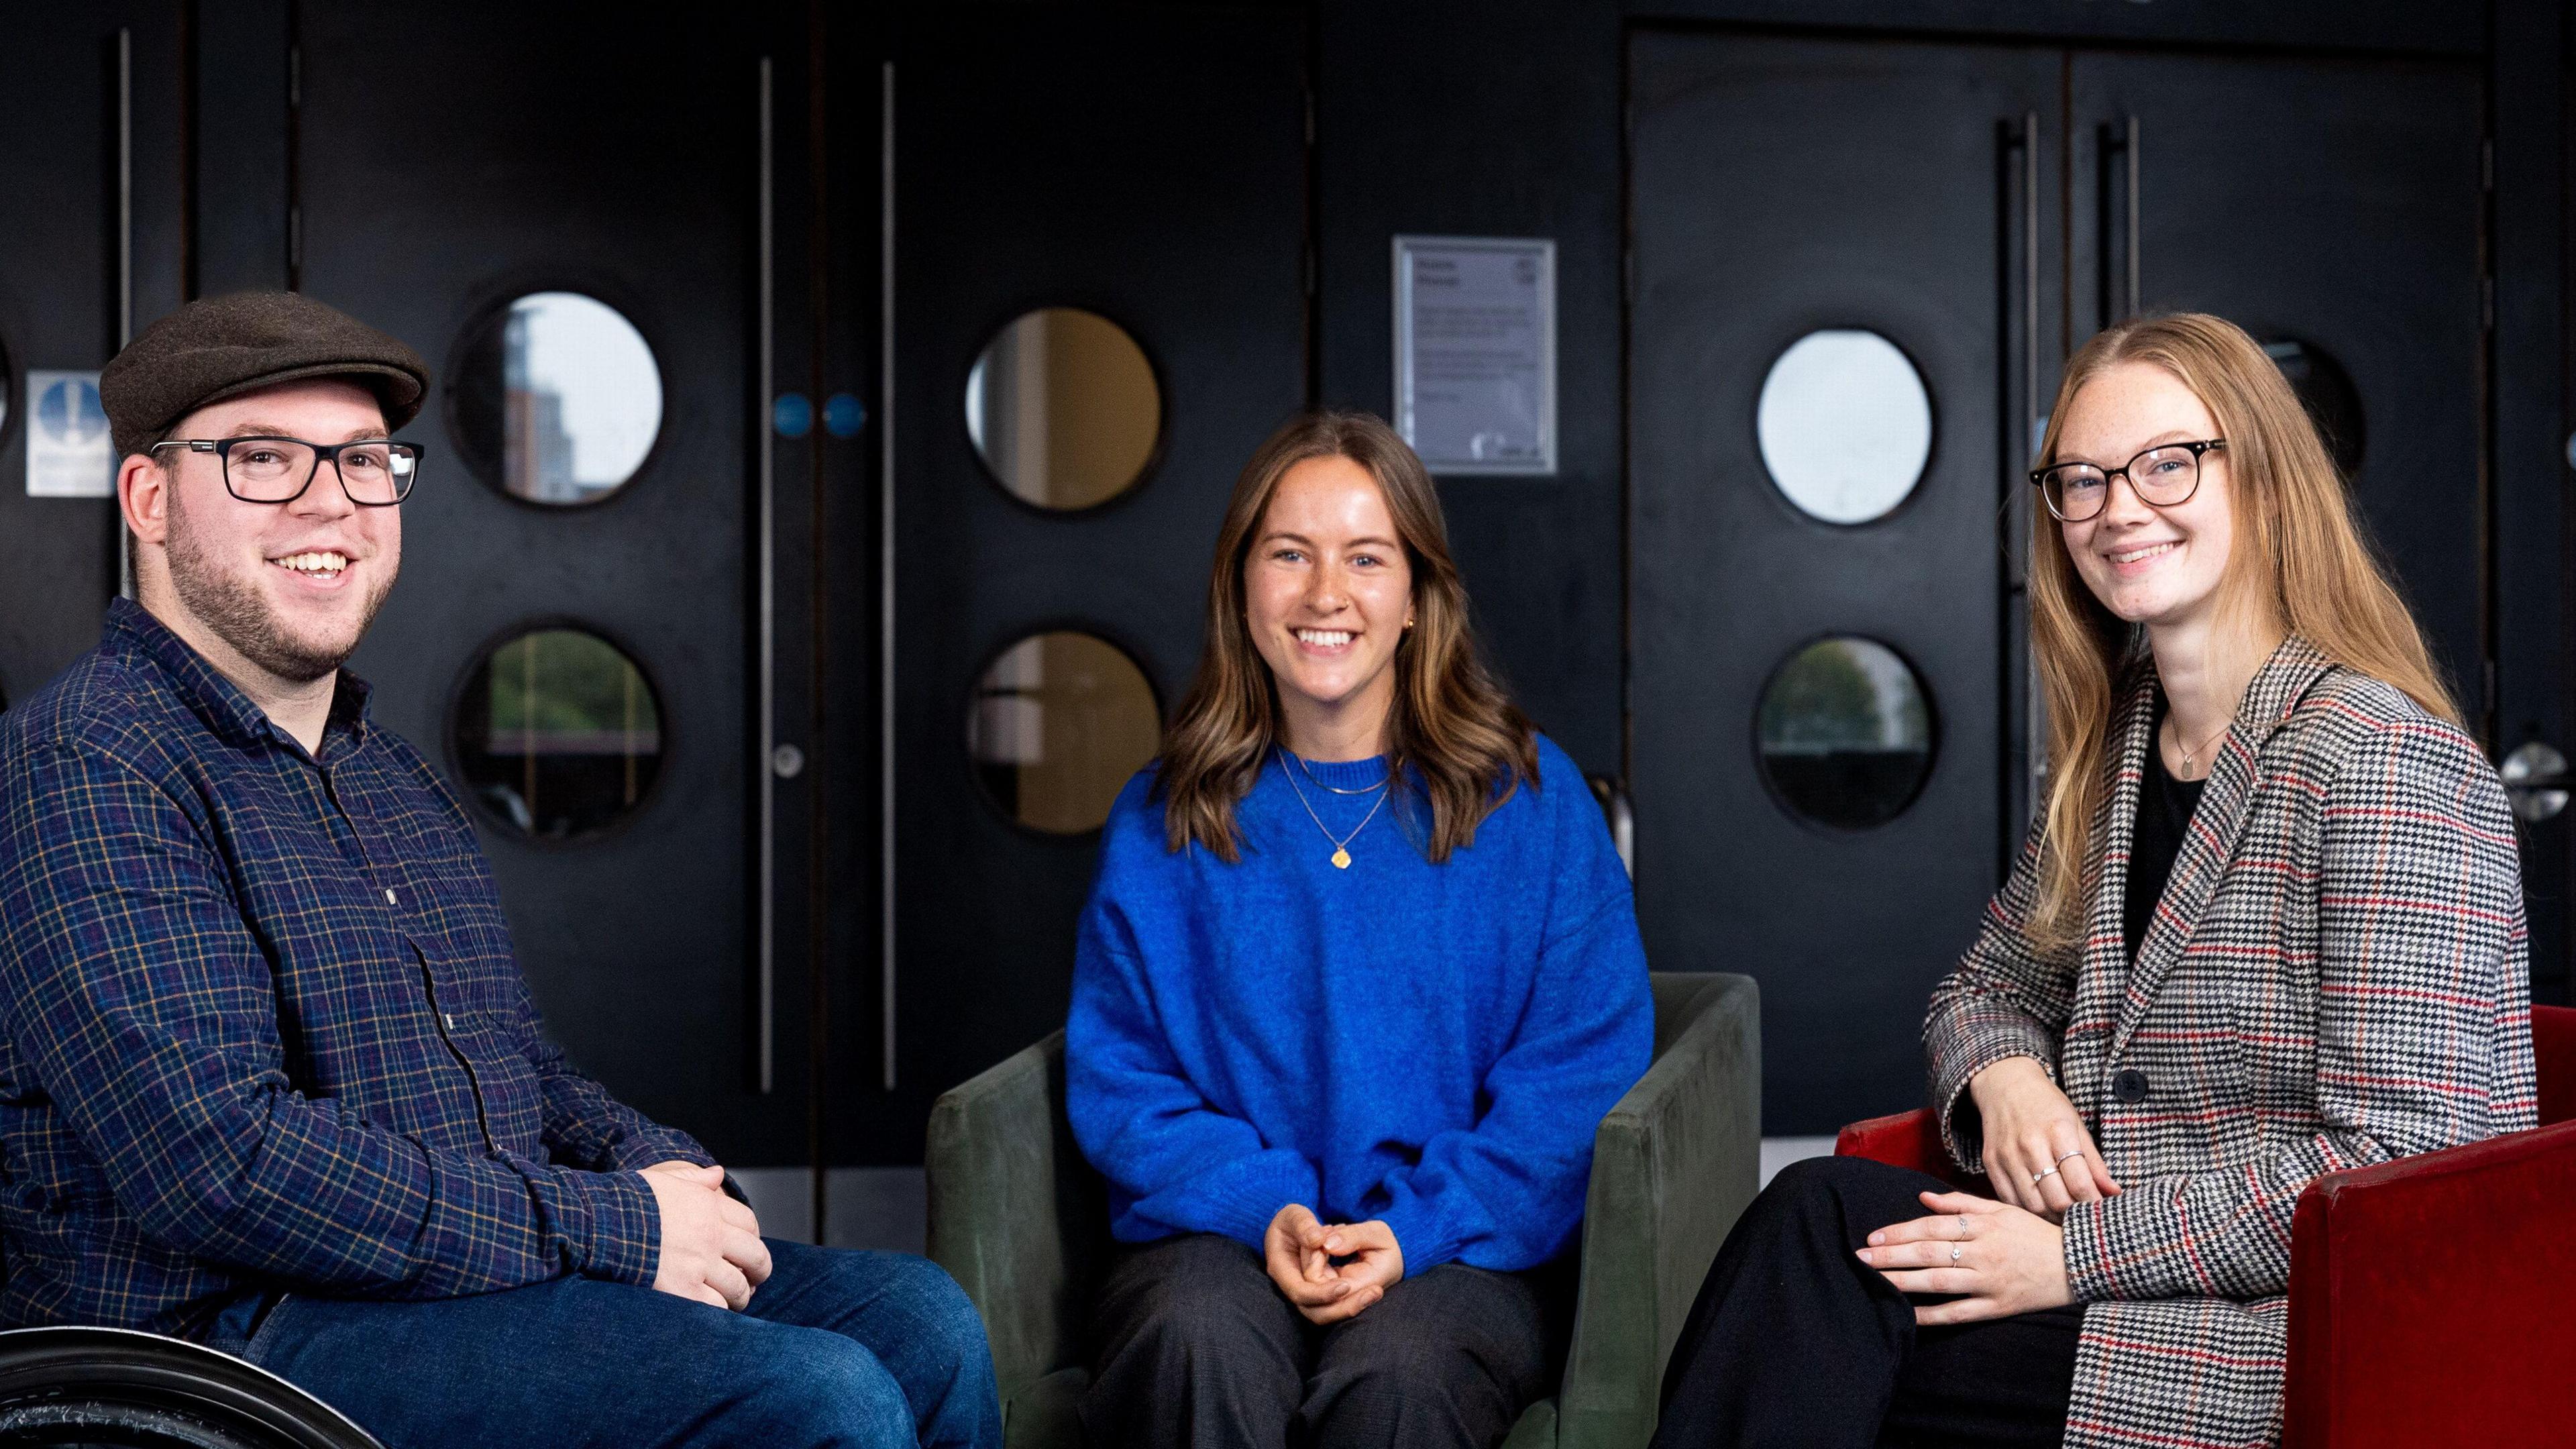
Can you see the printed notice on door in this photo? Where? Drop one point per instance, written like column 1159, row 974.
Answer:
column 1475, row 352
column 68, row 452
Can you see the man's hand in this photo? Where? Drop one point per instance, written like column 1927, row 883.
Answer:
column 2004, row 1260
column 1300, row 1252
column 711, row 1247
column 2038, row 1154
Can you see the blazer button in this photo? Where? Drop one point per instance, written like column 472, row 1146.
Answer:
column 2130, row 1085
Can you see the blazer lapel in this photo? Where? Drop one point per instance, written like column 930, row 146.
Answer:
column 2102, row 981
column 2209, row 842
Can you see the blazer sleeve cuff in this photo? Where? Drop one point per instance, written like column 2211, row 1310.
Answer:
column 2088, row 1251
column 1979, row 1046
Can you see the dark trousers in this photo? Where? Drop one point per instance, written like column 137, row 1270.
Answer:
column 838, row 1350
column 1196, row 1347
column 1796, row 1342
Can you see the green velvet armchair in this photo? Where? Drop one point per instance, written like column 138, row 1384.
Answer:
column 1023, row 1223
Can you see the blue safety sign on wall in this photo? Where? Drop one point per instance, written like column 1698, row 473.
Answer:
column 68, row 451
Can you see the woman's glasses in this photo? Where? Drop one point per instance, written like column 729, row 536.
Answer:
column 2163, row 476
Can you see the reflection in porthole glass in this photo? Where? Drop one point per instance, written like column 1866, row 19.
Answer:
column 1064, row 409
column 1059, row 722
column 1844, row 425
column 558, row 733
column 2327, row 392
column 1846, row 733
column 557, row 399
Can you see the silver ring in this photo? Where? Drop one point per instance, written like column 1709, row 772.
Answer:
column 2078, row 1152
column 2037, row 1178
column 1963, row 1227
column 1955, row 1250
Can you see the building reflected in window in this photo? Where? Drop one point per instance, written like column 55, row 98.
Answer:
column 558, row 399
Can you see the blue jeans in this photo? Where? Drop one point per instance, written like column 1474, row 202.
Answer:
column 843, row 1349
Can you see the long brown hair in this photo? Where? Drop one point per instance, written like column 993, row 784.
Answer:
column 2300, row 563
column 1451, row 734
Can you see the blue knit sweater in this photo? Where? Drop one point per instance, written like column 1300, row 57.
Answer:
column 1431, row 1045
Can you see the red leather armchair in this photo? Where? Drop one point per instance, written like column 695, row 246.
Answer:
column 2432, row 1299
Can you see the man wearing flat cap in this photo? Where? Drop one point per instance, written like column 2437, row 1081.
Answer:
column 269, row 1076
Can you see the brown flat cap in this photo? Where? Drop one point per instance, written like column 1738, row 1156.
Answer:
column 222, row 347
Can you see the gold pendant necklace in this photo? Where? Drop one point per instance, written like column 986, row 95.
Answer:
column 1342, row 845
column 2189, row 756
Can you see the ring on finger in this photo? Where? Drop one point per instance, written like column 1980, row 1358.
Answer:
column 1956, row 1250
column 1963, row 1227
column 2037, row 1178
column 2078, row 1152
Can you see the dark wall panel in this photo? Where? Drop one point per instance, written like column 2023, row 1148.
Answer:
column 1494, row 119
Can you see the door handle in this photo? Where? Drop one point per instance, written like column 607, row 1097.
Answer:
column 1621, row 816
column 2536, row 782
column 764, row 760
column 2127, row 299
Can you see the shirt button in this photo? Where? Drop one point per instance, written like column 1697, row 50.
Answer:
column 389, row 895
column 2130, row 1085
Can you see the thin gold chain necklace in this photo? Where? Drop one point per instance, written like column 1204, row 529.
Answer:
column 1341, row 845
column 2188, row 756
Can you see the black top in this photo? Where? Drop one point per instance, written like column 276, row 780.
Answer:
column 2164, row 810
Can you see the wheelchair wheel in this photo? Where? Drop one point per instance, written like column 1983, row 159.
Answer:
column 113, row 1388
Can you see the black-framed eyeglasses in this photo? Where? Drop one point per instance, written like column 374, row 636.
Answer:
column 374, row 472
column 2165, row 476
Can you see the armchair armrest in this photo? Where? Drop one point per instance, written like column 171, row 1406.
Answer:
column 1909, row 1140
column 1016, row 1216
column 1673, row 1165
column 2429, row 1297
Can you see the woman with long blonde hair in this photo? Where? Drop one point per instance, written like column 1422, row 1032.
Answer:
column 1358, row 980
column 2267, row 925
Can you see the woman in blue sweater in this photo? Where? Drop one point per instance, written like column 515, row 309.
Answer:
column 1358, row 980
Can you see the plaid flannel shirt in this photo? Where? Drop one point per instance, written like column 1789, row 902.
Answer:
column 261, row 1027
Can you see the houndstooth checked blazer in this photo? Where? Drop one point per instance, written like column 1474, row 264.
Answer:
column 2334, row 976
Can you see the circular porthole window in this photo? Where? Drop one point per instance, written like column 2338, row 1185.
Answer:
column 558, row 733
column 1845, row 733
column 556, row 399
column 1844, row 425
column 2327, row 392
column 1063, row 408
column 1059, row 723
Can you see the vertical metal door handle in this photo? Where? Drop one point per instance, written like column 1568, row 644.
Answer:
column 885, row 569
column 765, row 1026
column 2030, row 399
column 1621, row 816
column 124, row 259
column 2023, row 519
column 2137, row 296
column 2128, row 298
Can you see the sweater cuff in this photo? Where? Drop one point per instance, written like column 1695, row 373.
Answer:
column 1420, row 1234
column 1237, row 1199
column 1244, row 1204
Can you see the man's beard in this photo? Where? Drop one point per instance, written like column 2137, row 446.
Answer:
column 235, row 611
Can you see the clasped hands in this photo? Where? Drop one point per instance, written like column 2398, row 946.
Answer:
column 1330, row 1273
column 2001, row 1257
column 711, row 1247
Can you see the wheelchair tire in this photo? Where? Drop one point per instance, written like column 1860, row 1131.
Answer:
column 114, row 1388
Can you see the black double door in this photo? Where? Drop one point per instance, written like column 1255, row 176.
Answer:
column 1979, row 210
